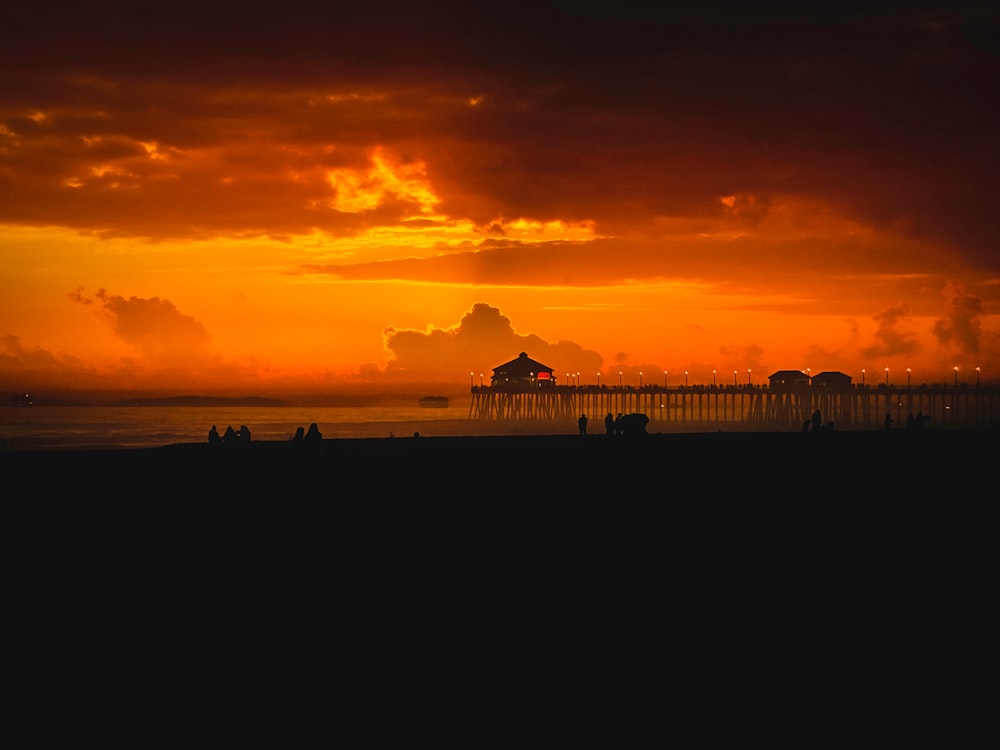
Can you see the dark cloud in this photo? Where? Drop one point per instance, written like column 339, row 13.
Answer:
column 484, row 338
column 614, row 113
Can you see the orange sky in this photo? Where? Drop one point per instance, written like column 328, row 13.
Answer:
column 204, row 198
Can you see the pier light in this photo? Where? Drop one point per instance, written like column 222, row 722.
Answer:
column 956, row 376
column 809, row 373
column 619, row 378
column 887, row 376
column 664, row 378
column 640, row 378
column 977, row 377
column 713, row 378
column 862, row 377
column 734, row 379
column 907, row 377
column 471, row 381
column 480, row 380
column 748, row 376
column 598, row 379
column 685, row 378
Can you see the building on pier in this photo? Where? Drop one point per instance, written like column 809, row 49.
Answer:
column 522, row 374
column 788, row 380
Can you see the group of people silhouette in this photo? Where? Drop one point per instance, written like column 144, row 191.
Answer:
column 617, row 425
column 311, row 439
column 913, row 422
column 815, row 423
column 231, row 437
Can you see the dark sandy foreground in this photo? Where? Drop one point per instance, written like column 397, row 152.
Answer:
column 809, row 551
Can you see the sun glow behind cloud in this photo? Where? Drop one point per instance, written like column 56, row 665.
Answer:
column 356, row 191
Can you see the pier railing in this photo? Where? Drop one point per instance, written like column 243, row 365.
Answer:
column 751, row 405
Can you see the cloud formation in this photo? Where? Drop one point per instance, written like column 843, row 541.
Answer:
column 484, row 338
column 962, row 324
column 155, row 327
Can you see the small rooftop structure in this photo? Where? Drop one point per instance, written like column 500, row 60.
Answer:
column 522, row 374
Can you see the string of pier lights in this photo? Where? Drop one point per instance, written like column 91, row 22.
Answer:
column 909, row 376
column 666, row 375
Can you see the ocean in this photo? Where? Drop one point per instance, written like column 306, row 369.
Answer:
column 106, row 427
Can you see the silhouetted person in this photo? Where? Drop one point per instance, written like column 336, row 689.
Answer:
column 582, row 424
column 213, row 436
column 314, row 438
column 609, row 423
column 243, row 434
column 298, row 436
column 229, row 438
column 817, row 420
column 888, row 420
column 618, row 424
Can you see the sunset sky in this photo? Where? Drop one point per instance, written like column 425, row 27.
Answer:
column 316, row 197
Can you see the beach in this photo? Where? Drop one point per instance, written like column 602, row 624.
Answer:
column 450, row 548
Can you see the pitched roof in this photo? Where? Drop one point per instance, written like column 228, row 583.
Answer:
column 788, row 375
column 522, row 367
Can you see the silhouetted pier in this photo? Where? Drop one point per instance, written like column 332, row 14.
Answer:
column 856, row 406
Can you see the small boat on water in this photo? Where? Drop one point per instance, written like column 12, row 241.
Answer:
column 434, row 402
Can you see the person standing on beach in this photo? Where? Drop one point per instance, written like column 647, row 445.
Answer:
column 582, row 424
column 609, row 424
column 213, row 436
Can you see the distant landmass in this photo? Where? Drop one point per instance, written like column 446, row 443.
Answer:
column 200, row 401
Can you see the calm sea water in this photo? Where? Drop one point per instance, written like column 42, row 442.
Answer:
column 93, row 427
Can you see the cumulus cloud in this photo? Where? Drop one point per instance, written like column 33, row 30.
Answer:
column 891, row 338
column 154, row 326
column 961, row 325
column 483, row 339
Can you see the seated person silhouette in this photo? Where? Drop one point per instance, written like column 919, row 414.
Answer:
column 313, row 437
